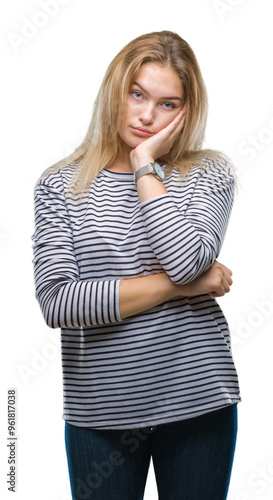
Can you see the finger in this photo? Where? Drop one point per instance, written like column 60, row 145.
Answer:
column 176, row 126
column 177, row 120
column 225, row 268
column 215, row 294
column 229, row 280
column 228, row 277
column 180, row 117
column 226, row 287
column 173, row 129
column 221, row 289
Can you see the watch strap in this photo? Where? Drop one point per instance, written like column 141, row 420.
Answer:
column 147, row 169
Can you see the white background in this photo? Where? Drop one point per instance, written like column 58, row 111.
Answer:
column 51, row 66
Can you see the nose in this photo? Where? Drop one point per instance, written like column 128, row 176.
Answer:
column 147, row 113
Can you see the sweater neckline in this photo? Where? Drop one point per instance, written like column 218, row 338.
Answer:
column 118, row 175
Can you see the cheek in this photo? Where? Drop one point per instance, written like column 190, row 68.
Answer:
column 123, row 117
column 126, row 119
column 130, row 112
column 164, row 121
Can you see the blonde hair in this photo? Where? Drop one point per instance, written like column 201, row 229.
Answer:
column 102, row 142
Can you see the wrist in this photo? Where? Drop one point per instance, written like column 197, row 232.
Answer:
column 139, row 161
column 172, row 289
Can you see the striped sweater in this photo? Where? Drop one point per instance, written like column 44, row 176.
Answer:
column 169, row 363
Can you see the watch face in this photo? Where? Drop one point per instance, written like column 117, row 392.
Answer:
column 158, row 171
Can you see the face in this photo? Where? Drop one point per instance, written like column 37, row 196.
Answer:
column 154, row 100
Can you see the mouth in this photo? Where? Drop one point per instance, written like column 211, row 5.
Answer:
column 143, row 132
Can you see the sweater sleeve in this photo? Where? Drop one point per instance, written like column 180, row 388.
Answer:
column 66, row 301
column 187, row 242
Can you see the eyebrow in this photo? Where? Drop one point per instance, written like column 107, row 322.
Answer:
column 164, row 98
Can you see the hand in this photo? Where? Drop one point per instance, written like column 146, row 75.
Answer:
column 215, row 282
column 159, row 144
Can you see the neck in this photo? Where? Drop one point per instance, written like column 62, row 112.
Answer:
column 122, row 162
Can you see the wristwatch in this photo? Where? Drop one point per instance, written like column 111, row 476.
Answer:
column 151, row 168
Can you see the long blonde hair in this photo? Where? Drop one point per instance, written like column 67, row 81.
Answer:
column 102, row 142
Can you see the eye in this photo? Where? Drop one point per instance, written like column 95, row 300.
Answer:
column 169, row 105
column 136, row 94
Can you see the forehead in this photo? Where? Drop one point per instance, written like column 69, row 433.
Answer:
column 159, row 81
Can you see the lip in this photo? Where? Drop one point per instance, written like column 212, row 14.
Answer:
column 143, row 132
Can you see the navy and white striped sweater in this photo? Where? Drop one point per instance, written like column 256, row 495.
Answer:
column 169, row 363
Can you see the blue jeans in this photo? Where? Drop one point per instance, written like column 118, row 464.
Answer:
column 192, row 459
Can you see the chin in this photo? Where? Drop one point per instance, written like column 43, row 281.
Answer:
column 134, row 142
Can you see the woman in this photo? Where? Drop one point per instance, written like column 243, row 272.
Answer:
column 128, row 230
